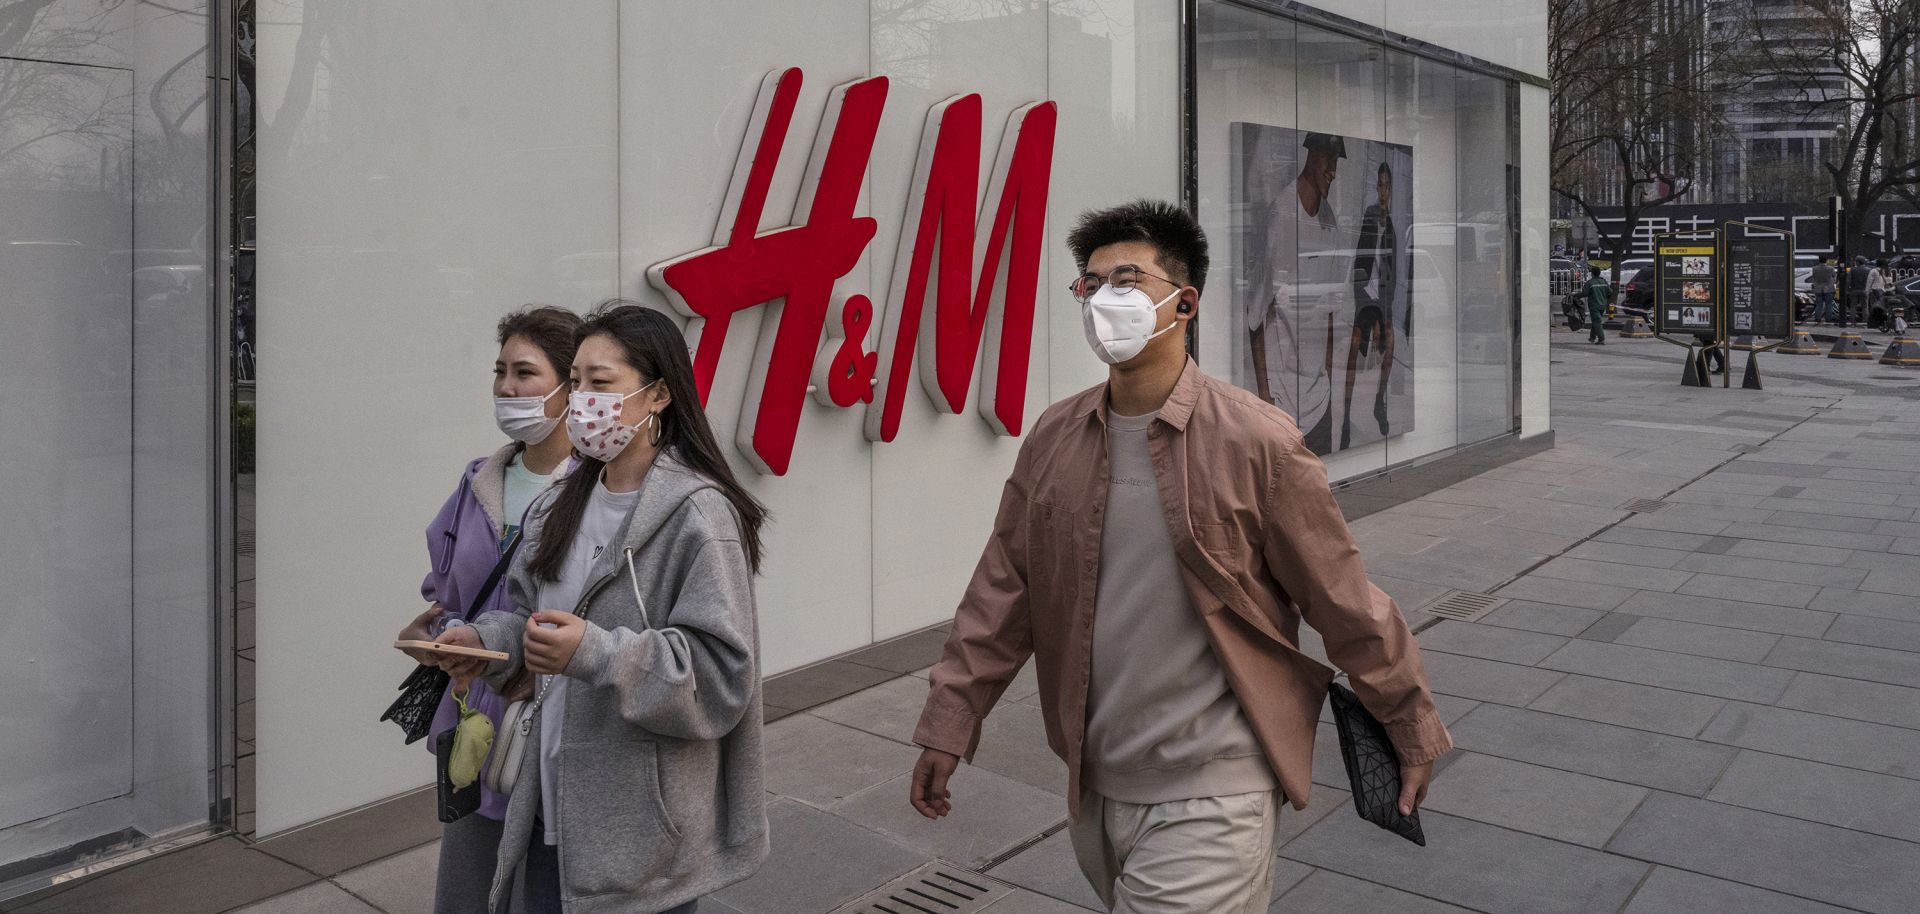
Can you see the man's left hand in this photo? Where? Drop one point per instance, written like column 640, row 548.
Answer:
column 1413, row 786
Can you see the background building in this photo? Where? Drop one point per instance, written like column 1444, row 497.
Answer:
column 357, row 191
column 1773, row 147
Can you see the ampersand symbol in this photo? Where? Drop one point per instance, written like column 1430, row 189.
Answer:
column 850, row 374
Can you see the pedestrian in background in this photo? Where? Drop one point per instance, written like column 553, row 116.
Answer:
column 1856, row 300
column 1599, row 295
column 1820, row 282
column 633, row 602
column 1877, row 294
column 468, row 538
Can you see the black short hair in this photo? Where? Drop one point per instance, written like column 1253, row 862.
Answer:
column 1384, row 169
column 1175, row 235
column 1594, row 270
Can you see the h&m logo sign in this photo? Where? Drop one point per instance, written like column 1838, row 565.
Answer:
column 982, row 295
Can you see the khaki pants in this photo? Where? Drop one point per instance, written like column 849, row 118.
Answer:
column 1213, row 855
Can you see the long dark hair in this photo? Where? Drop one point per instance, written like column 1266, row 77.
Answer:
column 655, row 348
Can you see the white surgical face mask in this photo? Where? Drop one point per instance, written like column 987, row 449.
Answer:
column 1119, row 324
column 594, row 426
column 525, row 419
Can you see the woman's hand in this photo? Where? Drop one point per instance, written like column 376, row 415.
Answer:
column 421, row 629
column 549, row 650
column 462, row 669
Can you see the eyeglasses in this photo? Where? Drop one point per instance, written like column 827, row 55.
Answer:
column 1122, row 278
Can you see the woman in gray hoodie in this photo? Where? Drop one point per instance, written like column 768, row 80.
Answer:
column 640, row 790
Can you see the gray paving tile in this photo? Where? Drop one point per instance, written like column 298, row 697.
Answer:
column 1049, row 868
column 820, row 762
column 1445, row 574
column 1013, row 742
column 1749, row 590
column 1790, row 552
column 318, row 898
column 1566, row 593
column 1610, row 626
column 1626, row 554
column 1671, row 891
column 1759, row 617
column 1653, row 539
column 1904, row 581
column 1326, row 892
column 1485, row 680
column 890, row 709
column 1873, row 542
column 1822, row 522
column 990, row 814
column 1773, row 852
column 401, row 884
column 1854, row 699
column 217, row 875
column 1765, row 468
column 1032, row 903
column 1878, row 804
column 1629, row 705
column 1772, row 570
column 1490, row 642
column 1863, row 603
column 821, row 683
column 1474, row 865
column 1602, row 750
column 1855, row 661
column 1839, row 507
column 1703, row 640
column 1638, row 577
column 1719, row 545
column 1702, row 675
column 1897, row 528
column 1888, row 633
column 1542, row 801
column 1542, row 617
column 819, row 862
column 1818, row 738
column 1324, row 802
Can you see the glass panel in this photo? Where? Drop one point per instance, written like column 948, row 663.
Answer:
column 1484, row 255
column 1420, row 117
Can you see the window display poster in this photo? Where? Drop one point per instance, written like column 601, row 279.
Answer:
column 1760, row 282
column 1324, row 292
column 1686, row 293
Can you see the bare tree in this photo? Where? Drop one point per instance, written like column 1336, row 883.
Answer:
column 1633, row 117
column 1850, row 62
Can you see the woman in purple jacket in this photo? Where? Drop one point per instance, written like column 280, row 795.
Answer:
column 467, row 539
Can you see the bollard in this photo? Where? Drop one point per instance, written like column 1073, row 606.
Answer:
column 1751, row 381
column 1903, row 352
column 1744, row 343
column 1849, row 345
column 1801, row 343
column 1695, row 373
column 1637, row 329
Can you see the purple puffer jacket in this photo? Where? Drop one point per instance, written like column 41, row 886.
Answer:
column 464, row 544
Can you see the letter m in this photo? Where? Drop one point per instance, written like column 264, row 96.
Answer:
column 937, row 244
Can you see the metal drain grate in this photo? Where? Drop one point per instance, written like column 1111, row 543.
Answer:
column 1463, row 605
column 936, row 888
column 1644, row 505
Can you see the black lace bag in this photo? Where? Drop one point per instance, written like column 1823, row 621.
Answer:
column 1373, row 769
column 420, row 692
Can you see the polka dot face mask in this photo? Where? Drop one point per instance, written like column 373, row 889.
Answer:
column 594, row 426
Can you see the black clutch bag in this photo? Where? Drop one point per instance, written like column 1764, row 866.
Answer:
column 1373, row 769
column 454, row 802
column 419, row 697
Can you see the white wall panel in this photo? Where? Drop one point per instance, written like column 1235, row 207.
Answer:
column 426, row 167
column 1536, row 329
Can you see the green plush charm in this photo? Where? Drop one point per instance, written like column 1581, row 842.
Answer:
column 472, row 739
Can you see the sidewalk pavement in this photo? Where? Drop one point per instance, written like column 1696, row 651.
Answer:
column 1709, row 701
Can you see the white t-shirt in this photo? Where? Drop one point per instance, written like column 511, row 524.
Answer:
column 606, row 513
column 522, row 487
column 1306, row 275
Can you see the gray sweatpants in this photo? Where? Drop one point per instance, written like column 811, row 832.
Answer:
column 469, row 846
column 1212, row 855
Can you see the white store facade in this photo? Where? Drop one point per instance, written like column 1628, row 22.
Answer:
column 363, row 189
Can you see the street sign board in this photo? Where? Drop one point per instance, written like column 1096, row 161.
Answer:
column 1759, row 280
column 1685, row 300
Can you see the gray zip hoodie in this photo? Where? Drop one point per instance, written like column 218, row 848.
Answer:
column 660, row 787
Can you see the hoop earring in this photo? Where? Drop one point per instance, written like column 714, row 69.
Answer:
column 654, row 434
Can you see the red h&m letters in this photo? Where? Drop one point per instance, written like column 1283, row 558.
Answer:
column 791, row 270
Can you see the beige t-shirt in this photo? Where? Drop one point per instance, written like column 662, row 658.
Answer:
column 1162, row 723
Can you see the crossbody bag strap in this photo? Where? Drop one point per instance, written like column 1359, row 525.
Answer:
column 493, row 577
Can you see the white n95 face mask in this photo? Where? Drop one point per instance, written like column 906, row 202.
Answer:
column 594, row 426
column 1119, row 324
column 525, row 419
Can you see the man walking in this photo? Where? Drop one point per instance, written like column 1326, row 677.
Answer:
column 1157, row 546
column 1599, row 294
column 1820, row 281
